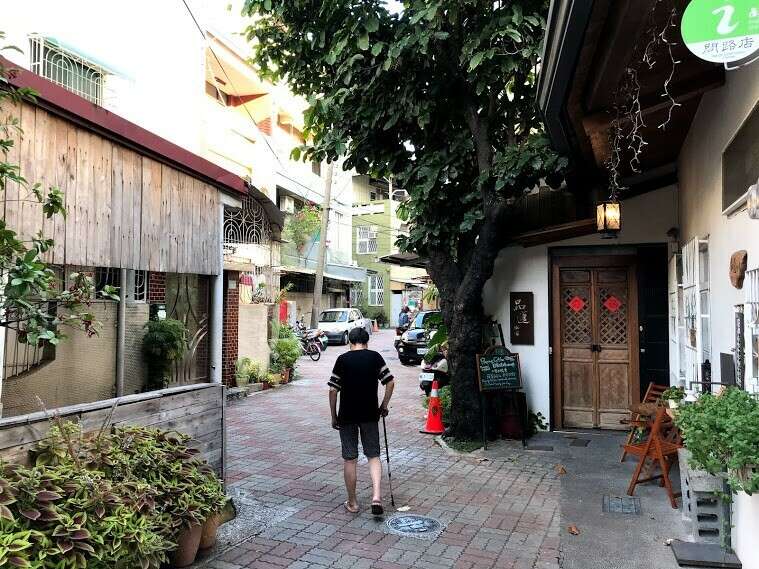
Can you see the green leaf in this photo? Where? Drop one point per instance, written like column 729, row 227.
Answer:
column 474, row 63
column 363, row 42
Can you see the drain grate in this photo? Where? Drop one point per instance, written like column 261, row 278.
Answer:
column 412, row 525
column 621, row 505
column 579, row 443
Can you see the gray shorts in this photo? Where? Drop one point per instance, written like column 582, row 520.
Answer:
column 369, row 440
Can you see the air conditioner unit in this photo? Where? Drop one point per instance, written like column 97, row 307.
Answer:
column 287, row 204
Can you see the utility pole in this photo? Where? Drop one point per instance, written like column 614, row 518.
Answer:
column 316, row 308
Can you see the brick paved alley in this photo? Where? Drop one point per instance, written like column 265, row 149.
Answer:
column 283, row 452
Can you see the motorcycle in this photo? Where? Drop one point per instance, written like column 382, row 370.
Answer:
column 312, row 342
column 437, row 369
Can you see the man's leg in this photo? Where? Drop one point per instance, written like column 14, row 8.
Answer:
column 375, row 471
column 349, row 441
column 349, row 473
column 371, row 445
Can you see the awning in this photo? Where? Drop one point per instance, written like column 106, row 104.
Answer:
column 334, row 272
column 405, row 260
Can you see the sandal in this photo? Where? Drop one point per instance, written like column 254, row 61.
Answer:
column 346, row 505
column 377, row 509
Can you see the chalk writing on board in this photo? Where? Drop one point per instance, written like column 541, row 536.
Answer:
column 498, row 371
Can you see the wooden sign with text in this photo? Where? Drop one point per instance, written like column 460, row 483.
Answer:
column 521, row 322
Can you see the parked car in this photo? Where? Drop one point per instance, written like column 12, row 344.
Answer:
column 412, row 346
column 337, row 323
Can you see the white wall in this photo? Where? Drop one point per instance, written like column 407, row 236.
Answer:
column 718, row 119
column 645, row 219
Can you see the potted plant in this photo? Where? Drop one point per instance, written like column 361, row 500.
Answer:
column 673, row 396
column 163, row 344
column 213, row 491
column 285, row 351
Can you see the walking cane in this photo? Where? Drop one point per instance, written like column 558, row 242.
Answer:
column 387, row 454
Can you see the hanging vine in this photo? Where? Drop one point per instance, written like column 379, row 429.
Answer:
column 626, row 140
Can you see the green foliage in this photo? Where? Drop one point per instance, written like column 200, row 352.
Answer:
column 33, row 299
column 114, row 500
column 248, row 371
column 163, row 344
column 722, row 434
column 284, row 353
column 536, row 422
column 673, row 393
column 431, row 295
column 303, row 225
column 377, row 314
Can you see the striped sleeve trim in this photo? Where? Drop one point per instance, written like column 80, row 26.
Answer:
column 385, row 376
column 334, row 382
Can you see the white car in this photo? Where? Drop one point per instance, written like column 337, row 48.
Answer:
column 338, row 322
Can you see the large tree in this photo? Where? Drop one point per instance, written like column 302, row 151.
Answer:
column 441, row 96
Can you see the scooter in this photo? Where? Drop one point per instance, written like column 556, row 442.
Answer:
column 313, row 342
column 437, row 369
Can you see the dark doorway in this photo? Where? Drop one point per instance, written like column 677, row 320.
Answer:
column 653, row 316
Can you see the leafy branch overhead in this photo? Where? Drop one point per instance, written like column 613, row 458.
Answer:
column 410, row 94
column 440, row 96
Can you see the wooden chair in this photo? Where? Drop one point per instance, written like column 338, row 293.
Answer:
column 660, row 449
column 653, row 395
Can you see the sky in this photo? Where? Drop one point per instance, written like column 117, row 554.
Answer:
column 394, row 5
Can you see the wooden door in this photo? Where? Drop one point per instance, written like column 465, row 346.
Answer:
column 597, row 356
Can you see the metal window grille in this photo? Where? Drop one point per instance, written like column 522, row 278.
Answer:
column 357, row 295
column 376, row 290
column 366, row 240
column 107, row 276
column 140, row 286
column 248, row 225
column 67, row 69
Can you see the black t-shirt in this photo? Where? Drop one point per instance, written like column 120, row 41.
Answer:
column 355, row 376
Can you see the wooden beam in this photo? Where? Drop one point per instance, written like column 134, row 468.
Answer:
column 557, row 233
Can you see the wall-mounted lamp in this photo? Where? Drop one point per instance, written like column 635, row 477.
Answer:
column 609, row 218
column 752, row 201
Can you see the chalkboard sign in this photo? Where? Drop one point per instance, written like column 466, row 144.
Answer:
column 498, row 369
column 522, row 325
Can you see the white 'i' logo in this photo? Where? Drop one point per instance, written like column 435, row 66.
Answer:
column 725, row 25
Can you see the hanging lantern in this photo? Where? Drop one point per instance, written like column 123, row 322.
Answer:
column 752, row 201
column 609, row 219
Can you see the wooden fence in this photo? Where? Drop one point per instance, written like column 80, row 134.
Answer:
column 195, row 410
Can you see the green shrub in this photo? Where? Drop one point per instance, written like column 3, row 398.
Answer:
column 249, row 371
column 722, row 434
column 163, row 344
column 285, row 350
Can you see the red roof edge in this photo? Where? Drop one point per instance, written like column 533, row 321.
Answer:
column 72, row 107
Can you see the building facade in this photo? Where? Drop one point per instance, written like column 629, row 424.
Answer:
column 656, row 304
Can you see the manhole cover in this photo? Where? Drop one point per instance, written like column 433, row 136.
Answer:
column 412, row 525
column 621, row 505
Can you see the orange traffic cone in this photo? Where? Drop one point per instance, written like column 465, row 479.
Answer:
column 434, row 424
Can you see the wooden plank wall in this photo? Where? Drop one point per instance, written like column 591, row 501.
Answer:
column 195, row 410
column 125, row 210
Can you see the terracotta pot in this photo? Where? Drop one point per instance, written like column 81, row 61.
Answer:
column 286, row 375
column 208, row 536
column 188, row 542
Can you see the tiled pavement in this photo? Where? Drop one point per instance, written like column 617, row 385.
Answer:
column 500, row 513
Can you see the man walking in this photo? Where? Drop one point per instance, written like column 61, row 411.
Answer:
column 403, row 317
column 355, row 377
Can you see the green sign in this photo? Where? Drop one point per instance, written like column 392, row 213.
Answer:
column 499, row 370
column 721, row 31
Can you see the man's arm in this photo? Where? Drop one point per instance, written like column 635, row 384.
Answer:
column 389, row 386
column 335, row 383
column 333, row 406
column 386, row 379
